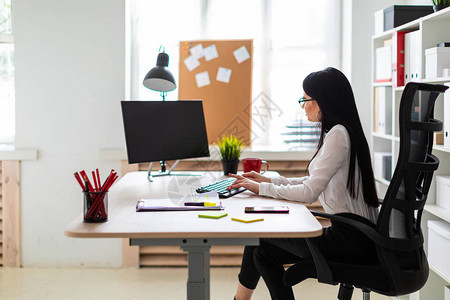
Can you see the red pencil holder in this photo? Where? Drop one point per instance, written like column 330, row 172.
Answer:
column 95, row 207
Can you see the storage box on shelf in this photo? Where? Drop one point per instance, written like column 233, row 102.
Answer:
column 443, row 191
column 436, row 60
column 438, row 241
column 397, row 15
column 378, row 21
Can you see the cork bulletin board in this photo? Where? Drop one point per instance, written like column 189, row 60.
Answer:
column 219, row 72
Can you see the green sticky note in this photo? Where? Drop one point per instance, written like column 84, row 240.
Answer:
column 213, row 214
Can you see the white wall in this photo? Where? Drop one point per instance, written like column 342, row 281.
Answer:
column 70, row 66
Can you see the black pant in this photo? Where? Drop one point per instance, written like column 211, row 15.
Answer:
column 267, row 260
column 338, row 242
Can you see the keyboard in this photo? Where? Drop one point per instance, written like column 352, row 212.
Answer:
column 221, row 188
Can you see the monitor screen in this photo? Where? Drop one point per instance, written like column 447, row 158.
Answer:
column 164, row 130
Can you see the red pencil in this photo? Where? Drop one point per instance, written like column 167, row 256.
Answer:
column 86, row 178
column 98, row 179
column 95, row 181
column 78, row 178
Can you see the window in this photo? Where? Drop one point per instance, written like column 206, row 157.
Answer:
column 7, row 103
column 291, row 38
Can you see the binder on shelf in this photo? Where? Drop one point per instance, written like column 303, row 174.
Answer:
column 375, row 110
column 383, row 64
column 416, row 45
column 398, row 58
column 447, row 117
column 387, row 167
column 382, row 165
column 407, row 71
column 413, row 56
column 383, row 100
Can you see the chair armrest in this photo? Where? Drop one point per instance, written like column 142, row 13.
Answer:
column 382, row 241
column 323, row 271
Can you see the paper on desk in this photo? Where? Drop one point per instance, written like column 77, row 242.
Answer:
column 241, row 54
column 202, row 79
column 210, row 52
column 223, row 74
column 191, row 63
column 205, row 197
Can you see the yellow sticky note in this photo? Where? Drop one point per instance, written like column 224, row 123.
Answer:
column 213, row 214
column 247, row 219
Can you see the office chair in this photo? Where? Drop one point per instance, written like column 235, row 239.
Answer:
column 401, row 266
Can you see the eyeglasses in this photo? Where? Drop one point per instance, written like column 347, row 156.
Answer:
column 303, row 100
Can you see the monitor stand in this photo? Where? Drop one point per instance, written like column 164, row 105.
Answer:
column 163, row 171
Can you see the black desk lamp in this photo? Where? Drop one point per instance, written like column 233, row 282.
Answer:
column 159, row 78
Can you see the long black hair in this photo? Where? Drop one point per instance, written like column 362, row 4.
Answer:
column 333, row 93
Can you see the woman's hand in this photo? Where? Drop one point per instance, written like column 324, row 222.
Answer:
column 256, row 177
column 241, row 181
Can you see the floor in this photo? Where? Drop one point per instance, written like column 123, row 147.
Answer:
column 146, row 283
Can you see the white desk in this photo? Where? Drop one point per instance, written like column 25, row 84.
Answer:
column 184, row 228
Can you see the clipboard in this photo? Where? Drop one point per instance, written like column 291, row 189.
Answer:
column 146, row 205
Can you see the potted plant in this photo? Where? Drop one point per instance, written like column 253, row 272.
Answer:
column 230, row 148
column 440, row 4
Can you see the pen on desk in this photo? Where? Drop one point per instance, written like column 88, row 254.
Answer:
column 194, row 204
column 199, row 204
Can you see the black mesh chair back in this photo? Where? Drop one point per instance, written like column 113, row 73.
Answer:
column 402, row 266
column 401, row 211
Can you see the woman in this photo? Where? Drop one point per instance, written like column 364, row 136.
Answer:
column 340, row 176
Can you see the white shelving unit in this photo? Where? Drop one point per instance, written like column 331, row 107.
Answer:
column 433, row 30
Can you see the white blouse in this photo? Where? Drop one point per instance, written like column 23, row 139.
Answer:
column 327, row 180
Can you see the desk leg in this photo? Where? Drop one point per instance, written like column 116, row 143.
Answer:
column 198, row 259
column 198, row 272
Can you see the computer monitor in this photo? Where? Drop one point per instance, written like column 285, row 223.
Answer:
column 164, row 130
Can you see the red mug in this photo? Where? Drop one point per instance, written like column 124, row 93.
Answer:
column 254, row 164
